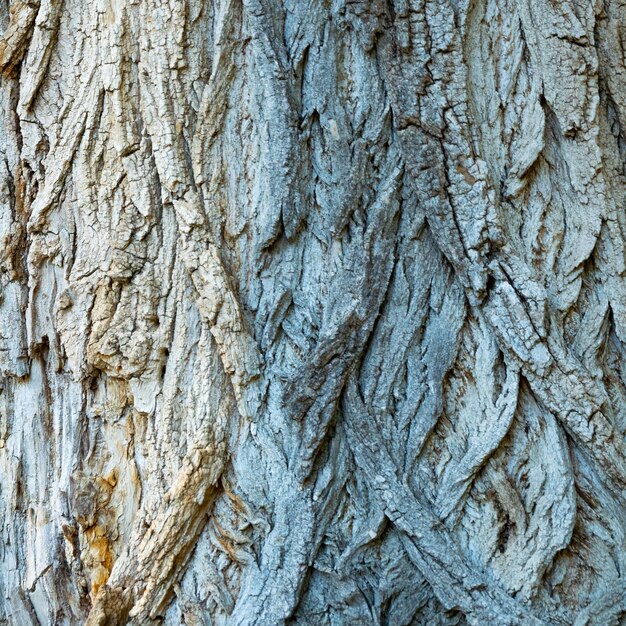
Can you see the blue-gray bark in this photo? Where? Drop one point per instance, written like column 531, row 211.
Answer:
column 312, row 312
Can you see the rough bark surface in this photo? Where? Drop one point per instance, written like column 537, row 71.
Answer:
column 313, row 312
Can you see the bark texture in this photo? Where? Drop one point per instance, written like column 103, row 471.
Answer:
column 313, row 312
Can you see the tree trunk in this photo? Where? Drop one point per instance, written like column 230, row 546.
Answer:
column 313, row 313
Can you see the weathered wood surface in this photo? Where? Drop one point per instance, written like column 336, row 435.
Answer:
column 313, row 312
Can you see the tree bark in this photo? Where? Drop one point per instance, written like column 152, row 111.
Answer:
column 313, row 313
